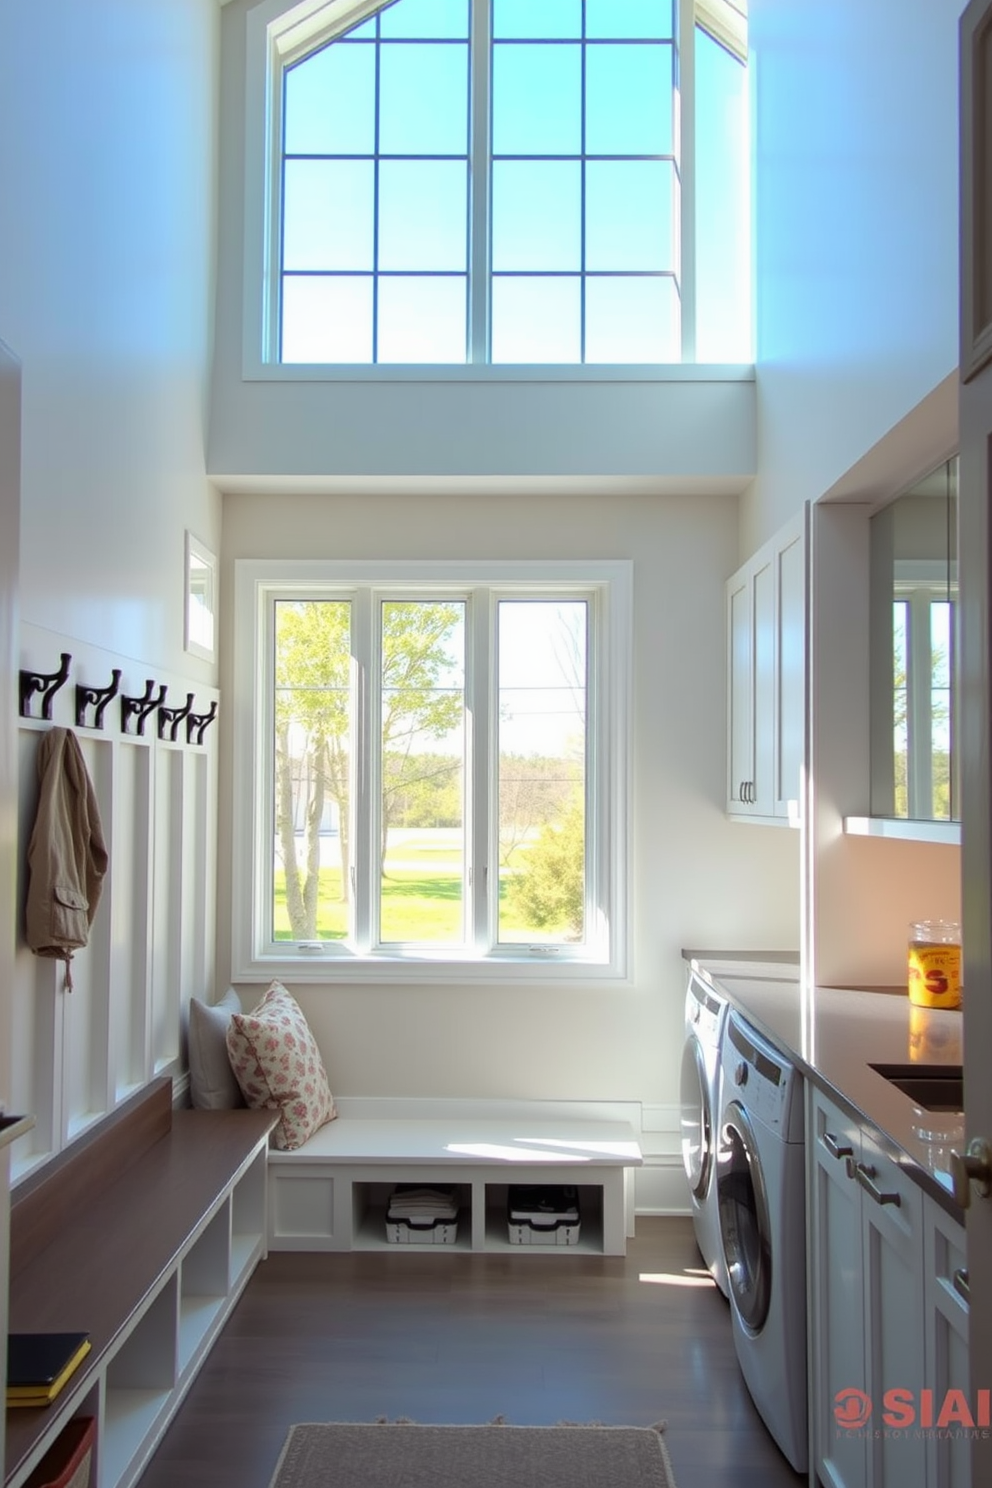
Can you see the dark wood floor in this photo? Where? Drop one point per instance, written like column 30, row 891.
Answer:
column 461, row 1339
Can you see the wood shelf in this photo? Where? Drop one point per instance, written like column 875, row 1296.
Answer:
column 901, row 829
column 148, row 1255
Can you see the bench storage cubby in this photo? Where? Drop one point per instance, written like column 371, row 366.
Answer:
column 142, row 1234
column 332, row 1193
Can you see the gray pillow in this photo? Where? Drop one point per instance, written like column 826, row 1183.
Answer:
column 212, row 1082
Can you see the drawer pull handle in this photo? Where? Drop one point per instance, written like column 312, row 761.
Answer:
column 835, row 1147
column 863, row 1174
column 960, row 1283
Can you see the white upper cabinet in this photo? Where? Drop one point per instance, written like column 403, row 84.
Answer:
column 766, row 673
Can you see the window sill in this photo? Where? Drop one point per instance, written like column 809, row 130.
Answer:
column 675, row 372
column 312, row 968
column 902, row 830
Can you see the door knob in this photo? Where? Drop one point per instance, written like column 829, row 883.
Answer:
column 972, row 1166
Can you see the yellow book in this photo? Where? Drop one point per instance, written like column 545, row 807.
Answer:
column 39, row 1364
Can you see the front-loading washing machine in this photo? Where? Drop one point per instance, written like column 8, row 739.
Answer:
column 705, row 1014
column 761, row 1197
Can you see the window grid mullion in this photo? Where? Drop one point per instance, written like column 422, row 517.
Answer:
column 265, row 799
column 952, row 707
column 481, row 801
column 364, row 770
column 919, row 712
column 596, row 765
column 375, row 192
column 684, row 180
column 583, row 163
column 277, row 227
column 480, row 181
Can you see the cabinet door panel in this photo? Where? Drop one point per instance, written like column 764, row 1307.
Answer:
column 740, row 700
column 892, row 1247
column 948, row 1454
column 763, row 605
column 766, row 666
column 790, row 710
column 838, row 1320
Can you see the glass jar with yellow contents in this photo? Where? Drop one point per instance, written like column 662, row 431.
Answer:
column 935, row 963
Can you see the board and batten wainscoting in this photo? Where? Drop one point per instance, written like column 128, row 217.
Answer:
column 75, row 1056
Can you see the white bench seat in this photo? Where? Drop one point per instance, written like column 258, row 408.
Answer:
column 331, row 1193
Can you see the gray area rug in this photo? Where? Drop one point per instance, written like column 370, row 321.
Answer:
column 404, row 1455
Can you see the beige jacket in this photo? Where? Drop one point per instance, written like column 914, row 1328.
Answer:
column 67, row 856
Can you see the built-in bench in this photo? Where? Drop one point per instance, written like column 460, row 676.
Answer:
column 332, row 1193
column 141, row 1234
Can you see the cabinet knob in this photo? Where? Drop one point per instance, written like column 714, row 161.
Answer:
column 971, row 1167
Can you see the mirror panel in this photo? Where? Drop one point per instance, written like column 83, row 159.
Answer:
column 914, row 591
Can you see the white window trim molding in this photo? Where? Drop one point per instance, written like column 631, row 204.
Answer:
column 276, row 34
column 251, row 960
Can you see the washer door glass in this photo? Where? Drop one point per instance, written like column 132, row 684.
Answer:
column 744, row 1221
column 697, row 1122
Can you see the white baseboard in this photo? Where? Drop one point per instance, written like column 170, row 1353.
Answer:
column 660, row 1187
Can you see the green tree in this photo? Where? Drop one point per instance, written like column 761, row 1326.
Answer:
column 550, row 891
column 420, row 698
column 425, row 790
column 313, row 725
column 312, row 704
column 533, row 790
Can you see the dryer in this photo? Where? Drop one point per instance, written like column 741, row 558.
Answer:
column 705, row 1015
column 761, row 1198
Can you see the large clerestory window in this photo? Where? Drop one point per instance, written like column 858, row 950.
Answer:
column 507, row 182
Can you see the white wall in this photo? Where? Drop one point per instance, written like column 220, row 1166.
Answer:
column 108, row 144
column 697, row 878
column 10, row 513
column 107, row 179
column 856, row 239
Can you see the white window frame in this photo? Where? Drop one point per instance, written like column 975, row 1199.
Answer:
column 278, row 34
column 918, row 583
column 606, row 953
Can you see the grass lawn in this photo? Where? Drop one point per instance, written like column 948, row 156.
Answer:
column 417, row 906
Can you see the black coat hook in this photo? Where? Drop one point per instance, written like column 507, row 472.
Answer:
column 47, row 684
column 98, row 698
column 169, row 719
column 198, row 723
column 140, row 707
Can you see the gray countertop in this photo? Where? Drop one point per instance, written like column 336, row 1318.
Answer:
column 847, row 1031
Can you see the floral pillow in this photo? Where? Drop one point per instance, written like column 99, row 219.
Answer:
column 277, row 1064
